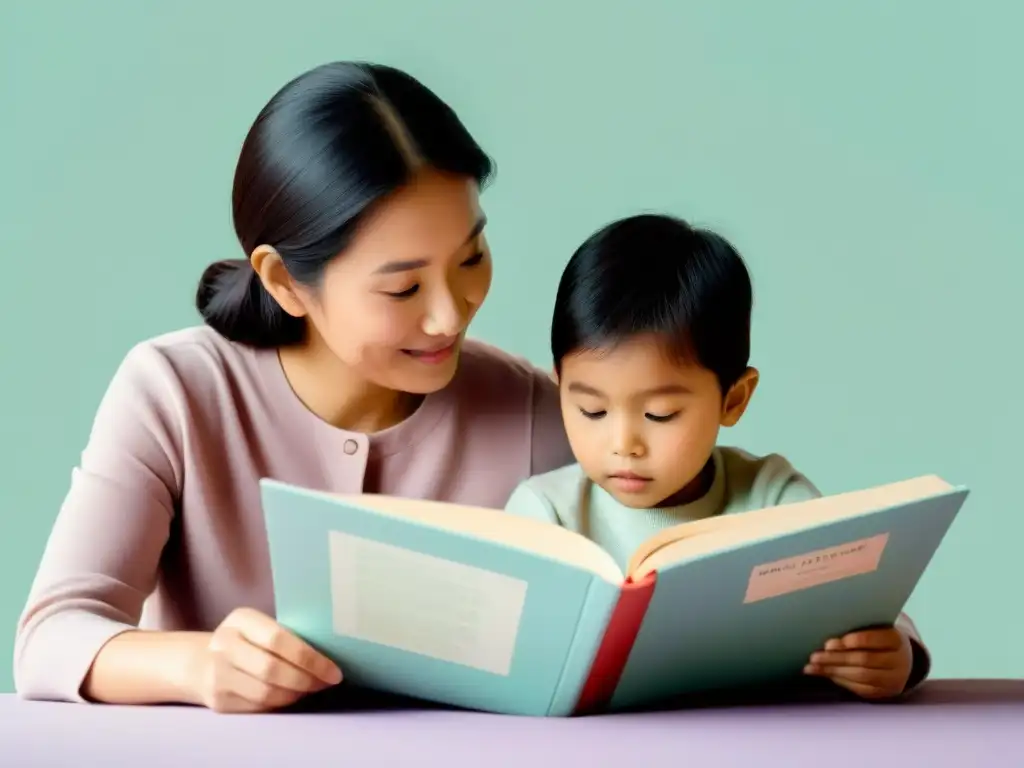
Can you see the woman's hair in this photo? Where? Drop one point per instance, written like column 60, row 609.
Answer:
column 326, row 148
column 657, row 274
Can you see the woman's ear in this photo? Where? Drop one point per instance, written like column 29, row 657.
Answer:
column 738, row 397
column 271, row 271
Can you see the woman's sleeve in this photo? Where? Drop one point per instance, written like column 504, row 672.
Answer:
column 101, row 560
column 549, row 448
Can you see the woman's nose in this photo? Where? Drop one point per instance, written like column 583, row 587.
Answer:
column 444, row 317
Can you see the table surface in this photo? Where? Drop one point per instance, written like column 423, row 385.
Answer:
column 954, row 722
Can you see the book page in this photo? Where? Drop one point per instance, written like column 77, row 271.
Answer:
column 423, row 604
column 687, row 540
column 530, row 535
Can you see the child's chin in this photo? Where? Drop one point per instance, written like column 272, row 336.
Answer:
column 632, row 500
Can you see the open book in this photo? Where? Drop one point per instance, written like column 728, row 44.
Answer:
column 482, row 609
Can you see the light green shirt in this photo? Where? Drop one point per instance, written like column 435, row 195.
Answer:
column 742, row 482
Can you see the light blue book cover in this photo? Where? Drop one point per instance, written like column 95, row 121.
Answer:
column 509, row 615
column 412, row 609
column 755, row 613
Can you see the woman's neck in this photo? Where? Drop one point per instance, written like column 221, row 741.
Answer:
column 330, row 390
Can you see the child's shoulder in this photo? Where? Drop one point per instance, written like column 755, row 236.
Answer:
column 763, row 481
column 558, row 486
column 553, row 496
column 741, row 463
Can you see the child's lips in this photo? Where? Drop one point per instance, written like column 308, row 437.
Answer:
column 630, row 482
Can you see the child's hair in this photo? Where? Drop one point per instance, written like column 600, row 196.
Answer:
column 657, row 274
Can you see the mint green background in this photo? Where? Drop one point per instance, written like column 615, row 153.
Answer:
column 865, row 157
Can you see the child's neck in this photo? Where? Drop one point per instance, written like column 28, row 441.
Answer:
column 693, row 490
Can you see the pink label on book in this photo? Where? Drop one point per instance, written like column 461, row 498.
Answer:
column 819, row 567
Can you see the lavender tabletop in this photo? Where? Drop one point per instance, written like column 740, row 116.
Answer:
column 948, row 722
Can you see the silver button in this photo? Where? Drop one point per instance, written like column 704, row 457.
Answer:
column 351, row 446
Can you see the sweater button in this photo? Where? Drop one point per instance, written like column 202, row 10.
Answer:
column 351, row 446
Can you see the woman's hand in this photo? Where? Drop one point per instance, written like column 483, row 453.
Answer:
column 253, row 664
column 873, row 664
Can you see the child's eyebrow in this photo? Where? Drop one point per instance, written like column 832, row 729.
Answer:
column 667, row 389
column 584, row 389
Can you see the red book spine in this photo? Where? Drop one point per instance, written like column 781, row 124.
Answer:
column 623, row 627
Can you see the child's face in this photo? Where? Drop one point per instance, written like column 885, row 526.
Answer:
column 641, row 425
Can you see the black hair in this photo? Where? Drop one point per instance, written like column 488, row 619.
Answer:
column 328, row 146
column 657, row 274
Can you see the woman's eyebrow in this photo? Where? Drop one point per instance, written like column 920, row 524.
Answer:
column 391, row 267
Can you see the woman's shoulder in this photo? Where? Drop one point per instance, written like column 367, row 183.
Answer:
column 190, row 363
column 167, row 393
column 506, row 393
column 486, row 369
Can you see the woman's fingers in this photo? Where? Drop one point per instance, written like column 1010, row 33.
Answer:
column 263, row 632
column 236, row 691
column 264, row 666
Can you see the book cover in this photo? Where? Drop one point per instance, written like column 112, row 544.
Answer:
column 484, row 610
column 411, row 609
column 755, row 613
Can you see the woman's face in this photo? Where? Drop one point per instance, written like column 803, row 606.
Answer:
column 395, row 306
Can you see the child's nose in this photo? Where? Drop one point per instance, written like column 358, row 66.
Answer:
column 628, row 444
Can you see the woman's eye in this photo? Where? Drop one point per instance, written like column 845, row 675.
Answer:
column 592, row 414
column 661, row 419
column 473, row 260
column 404, row 294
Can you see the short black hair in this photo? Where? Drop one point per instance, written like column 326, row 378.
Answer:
column 657, row 274
column 326, row 148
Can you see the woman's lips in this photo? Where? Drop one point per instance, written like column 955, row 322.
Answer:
column 434, row 355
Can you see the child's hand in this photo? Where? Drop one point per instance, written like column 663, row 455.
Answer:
column 873, row 664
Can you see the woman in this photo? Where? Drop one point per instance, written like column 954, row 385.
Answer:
column 333, row 356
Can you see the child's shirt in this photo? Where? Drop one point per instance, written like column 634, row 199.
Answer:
column 742, row 482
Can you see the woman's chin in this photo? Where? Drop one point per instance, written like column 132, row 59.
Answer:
column 424, row 377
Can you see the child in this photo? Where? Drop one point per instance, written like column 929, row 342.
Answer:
column 651, row 339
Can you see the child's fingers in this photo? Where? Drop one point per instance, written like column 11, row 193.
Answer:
column 866, row 683
column 868, row 640
column 864, row 690
column 860, row 675
column 866, row 659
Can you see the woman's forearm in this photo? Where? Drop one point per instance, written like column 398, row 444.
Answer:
column 145, row 667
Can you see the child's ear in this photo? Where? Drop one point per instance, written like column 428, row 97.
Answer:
column 738, row 397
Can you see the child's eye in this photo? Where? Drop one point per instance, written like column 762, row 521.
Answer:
column 592, row 414
column 404, row 294
column 473, row 260
column 661, row 419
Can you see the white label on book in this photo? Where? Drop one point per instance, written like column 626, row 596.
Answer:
column 423, row 604
column 815, row 568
